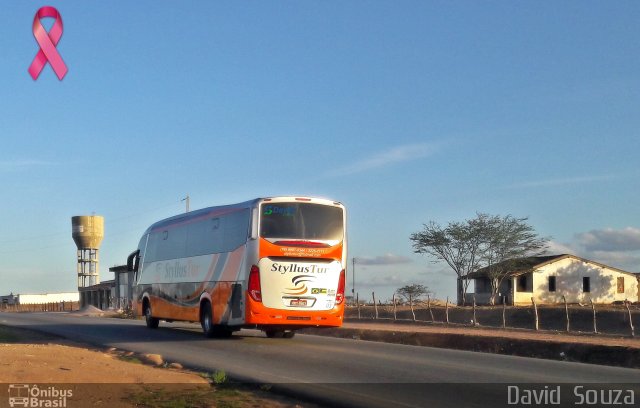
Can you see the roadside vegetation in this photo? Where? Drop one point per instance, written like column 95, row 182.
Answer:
column 226, row 396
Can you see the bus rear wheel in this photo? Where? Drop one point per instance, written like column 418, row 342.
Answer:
column 280, row 334
column 209, row 329
column 151, row 321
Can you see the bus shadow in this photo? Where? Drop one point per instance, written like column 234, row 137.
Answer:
column 112, row 333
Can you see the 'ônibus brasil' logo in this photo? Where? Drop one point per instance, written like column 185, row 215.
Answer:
column 25, row 395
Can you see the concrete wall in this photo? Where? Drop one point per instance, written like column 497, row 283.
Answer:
column 123, row 288
column 48, row 298
column 100, row 297
column 481, row 289
column 481, row 298
column 569, row 273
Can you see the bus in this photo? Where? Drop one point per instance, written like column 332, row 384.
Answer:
column 276, row 264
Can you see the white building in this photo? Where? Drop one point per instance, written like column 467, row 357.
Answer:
column 48, row 298
column 548, row 278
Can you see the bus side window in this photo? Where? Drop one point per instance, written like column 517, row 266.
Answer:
column 234, row 230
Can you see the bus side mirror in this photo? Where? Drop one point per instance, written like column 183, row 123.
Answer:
column 133, row 260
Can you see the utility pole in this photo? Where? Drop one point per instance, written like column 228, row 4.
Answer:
column 186, row 199
column 353, row 275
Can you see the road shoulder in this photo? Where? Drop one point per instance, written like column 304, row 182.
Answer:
column 595, row 349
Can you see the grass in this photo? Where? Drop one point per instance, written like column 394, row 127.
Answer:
column 218, row 378
column 222, row 393
column 130, row 359
column 218, row 397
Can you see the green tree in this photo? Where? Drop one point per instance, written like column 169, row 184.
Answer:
column 413, row 292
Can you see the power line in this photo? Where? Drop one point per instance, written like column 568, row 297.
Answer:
column 112, row 221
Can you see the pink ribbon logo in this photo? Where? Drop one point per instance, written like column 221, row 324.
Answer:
column 47, row 43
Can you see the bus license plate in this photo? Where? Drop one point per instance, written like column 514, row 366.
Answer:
column 298, row 302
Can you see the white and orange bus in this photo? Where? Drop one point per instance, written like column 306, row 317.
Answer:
column 276, row 264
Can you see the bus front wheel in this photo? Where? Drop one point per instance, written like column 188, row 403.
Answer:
column 151, row 321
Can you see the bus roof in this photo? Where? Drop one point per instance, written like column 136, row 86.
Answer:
column 225, row 209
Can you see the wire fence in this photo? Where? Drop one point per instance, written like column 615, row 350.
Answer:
column 619, row 319
column 41, row 307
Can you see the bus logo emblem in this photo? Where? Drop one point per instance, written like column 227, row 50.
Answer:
column 300, row 287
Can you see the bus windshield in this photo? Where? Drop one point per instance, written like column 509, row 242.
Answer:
column 305, row 221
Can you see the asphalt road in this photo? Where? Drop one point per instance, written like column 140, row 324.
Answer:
column 343, row 372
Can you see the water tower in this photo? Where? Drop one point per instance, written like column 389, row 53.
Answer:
column 87, row 232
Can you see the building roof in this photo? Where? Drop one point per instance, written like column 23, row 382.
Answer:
column 119, row 269
column 108, row 284
column 529, row 264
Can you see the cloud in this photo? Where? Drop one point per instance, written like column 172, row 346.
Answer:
column 560, row 181
column 628, row 261
column 13, row 165
column 437, row 272
column 554, row 247
column 609, row 239
column 384, row 281
column 388, row 259
column 394, row 155
column 619, row 248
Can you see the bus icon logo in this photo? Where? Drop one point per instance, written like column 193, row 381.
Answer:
column 18, row 395
column 25, row 395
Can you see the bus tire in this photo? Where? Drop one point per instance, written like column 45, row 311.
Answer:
column 152, row 322
column 280, row 334
column 208, row 327
column 206, row 320
column 274, row 334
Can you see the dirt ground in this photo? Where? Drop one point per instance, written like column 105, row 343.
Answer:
column 114, row 378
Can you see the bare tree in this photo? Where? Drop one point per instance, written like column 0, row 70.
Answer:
column 489, row 241
column 506, row 241
column 458, row 245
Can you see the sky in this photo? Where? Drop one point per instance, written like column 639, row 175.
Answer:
column 407, row 112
